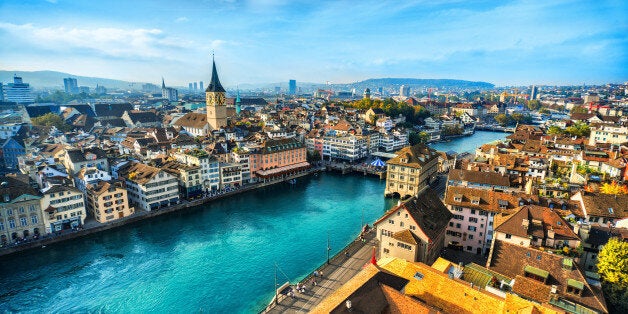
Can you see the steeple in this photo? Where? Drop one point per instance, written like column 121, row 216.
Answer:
column 163, row 84
column 214, row 85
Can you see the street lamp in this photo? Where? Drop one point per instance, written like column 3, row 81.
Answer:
column 328, row 247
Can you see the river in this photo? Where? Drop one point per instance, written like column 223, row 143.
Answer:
column 468, row 144
column 217, row 258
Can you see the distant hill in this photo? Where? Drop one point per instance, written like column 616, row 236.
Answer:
column 414, row 82
column 53, row 79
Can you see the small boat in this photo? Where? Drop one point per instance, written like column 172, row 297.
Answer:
column 292, row 181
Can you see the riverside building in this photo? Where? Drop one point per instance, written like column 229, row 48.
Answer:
column 411, row 170
column 108, row 201
column 149, row 188
column 20, row 211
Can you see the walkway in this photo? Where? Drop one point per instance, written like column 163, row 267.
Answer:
column 339, row 271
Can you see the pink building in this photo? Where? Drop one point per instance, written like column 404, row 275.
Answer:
column 278, row 158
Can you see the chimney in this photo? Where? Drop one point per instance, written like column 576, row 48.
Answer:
column 525, row 223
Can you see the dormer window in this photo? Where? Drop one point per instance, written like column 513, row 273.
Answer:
column 536, row 273
column 475, row 201
column 502, row 204
column 575, row 287
column 458, row 198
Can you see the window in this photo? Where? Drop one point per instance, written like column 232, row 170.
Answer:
column 471, row 228
column 470, row 237
column 412, row 227
column 451, row 224
column 508, row 236
column 34, row 219
column 11, row 223
column 390, row 221
column 458, row 226
column 21, row 209
column 473, row 219
column 1, row 225
column 401, row 224
column 469, row 248
column 23, row 221
column 31, row 208
column 473, row 211
column 10, row 212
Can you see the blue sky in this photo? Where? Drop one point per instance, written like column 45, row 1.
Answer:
column 503, row 42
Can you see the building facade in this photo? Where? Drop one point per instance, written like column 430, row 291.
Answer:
column 411, row 170
column 108, row 201
column 64, row 208
column 149, row 188
column 215, row 102
column 20, row 211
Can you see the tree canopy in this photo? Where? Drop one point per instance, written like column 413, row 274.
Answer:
column 392, row 108
column 613, row 188
column 51, row 119
column 612, row 266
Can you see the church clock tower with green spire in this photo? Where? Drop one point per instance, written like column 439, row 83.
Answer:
column 215, row 102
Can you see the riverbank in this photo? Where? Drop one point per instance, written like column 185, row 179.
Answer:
column 141, row 216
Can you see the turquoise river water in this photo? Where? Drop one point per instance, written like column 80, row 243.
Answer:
column 216, row 258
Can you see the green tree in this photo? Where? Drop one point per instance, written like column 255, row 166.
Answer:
column 612, row 265
column 418, row 138
column 503, row 119
column 579, row 109
column 578, row 129
column 51, row 119
column 534, row 104
column 554, row 130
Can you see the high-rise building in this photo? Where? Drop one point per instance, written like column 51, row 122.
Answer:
column 404, row 91
column 278, row 90
column 18, row 91
column 215, row 102
column 1, row 92
column 71, row 86
column 195, row 86
column 200, row 85
column 292, row 87
column 190, row 87
column 101, row 89
column 168, row 93
column 83, row 89
column 534, row 92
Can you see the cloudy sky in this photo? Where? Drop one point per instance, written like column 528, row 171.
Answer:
column 257, row 41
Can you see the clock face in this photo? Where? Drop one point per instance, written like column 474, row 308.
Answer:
column 220, row 99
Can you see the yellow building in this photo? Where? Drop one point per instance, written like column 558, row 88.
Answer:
column 411, row 170
column 108, row 201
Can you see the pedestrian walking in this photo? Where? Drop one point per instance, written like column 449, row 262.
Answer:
column 321, row 274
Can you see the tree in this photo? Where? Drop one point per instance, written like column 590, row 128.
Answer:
column 578, row 129
column 554, row 130
column 579, row 109
column 613, row 188
column 51, row 119
column 503, row 119
column 612, row 265
column 418, row 138
column 534, row 104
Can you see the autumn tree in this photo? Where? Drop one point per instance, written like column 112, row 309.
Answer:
column 612, row 266
column 613, row 188
column 503, row 119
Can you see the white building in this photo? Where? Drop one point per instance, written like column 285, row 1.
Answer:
column 210, row 166
column 349, row 148
column 18, row 91
column 149, row 188
column 64, row 208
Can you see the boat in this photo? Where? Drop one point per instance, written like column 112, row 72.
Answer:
column 292, row 181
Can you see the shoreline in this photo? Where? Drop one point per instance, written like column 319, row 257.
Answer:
column 141, row 216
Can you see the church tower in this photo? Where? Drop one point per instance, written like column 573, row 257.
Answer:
column 215, row 102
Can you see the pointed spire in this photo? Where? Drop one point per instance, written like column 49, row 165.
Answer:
column 163, row 83
column 214, row 85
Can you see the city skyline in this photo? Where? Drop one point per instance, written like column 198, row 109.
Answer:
column 505, row 43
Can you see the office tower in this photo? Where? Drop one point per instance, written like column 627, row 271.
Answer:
column 534, row 92
column 18, row 91
column 71, row 86
column 292, row 87
column 404, row 91
column 190, row 87
column 195, row 86
column 200, row 85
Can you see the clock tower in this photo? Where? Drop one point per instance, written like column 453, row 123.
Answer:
column 215, row 102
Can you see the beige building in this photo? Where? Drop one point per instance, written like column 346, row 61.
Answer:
column 411, row 170
column 608, row 134
column 108, row 201
column 20, row 211
column 415, row 229
column 64, row 208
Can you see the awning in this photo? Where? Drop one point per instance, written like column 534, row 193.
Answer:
column 280, row 170
column 378, row 163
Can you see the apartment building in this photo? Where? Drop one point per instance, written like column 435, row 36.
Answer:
column 149, row 188
column 411, row 170
column 108, row 201
column 64, row 208
column 20, row 211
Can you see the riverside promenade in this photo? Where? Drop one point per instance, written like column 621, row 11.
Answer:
column 340, row 269
column 92, row 227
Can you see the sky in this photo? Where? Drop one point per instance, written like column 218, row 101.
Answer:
column 556, row 42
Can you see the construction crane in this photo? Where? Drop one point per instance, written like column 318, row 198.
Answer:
column 516, row 95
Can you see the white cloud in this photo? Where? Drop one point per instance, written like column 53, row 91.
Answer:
column 182, row 19
column 107, row 41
